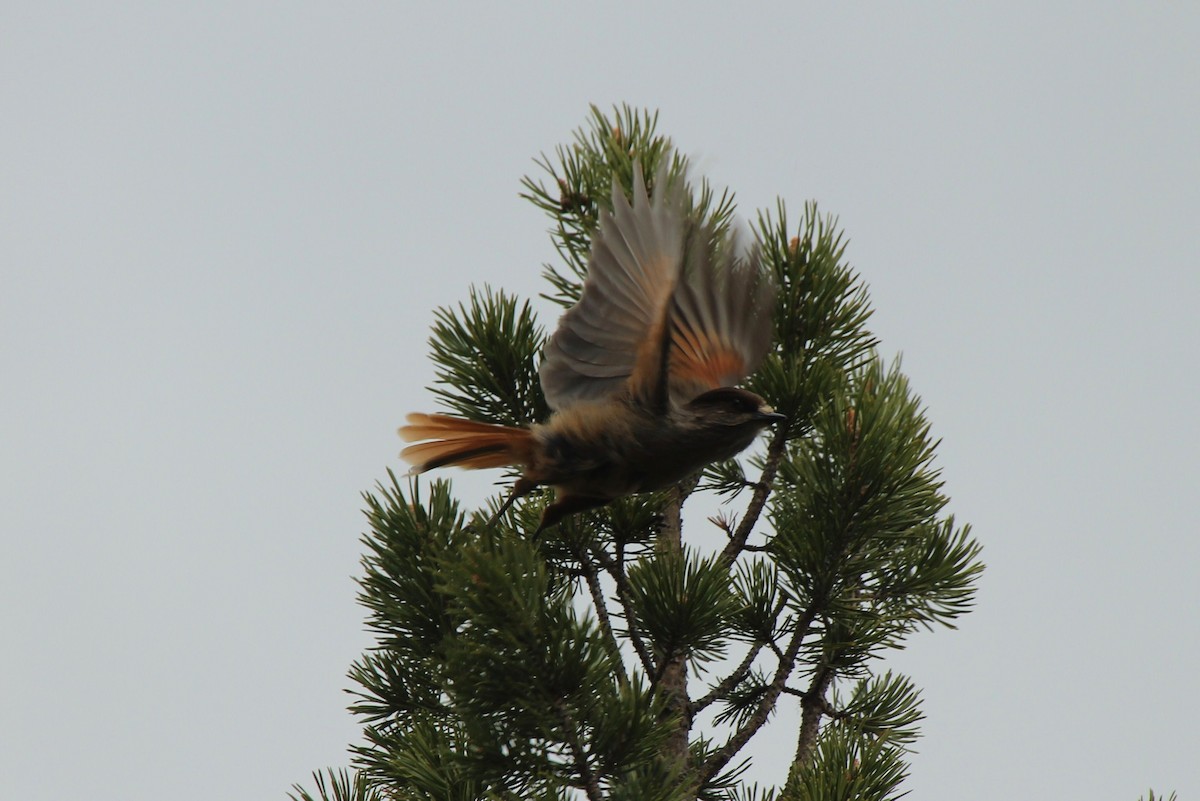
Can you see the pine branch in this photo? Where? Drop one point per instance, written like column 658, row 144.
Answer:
column 739, row 673
column 591, row 784
column 827, row 709
column 728, row 524
column 721, row 757
column 616, row 570
column 729, row 682
column 813, row 706
column 673, row 674
column 758, row 500
column 592, row 578
column 484, row 353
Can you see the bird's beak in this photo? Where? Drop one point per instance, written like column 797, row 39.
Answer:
column 770, row 416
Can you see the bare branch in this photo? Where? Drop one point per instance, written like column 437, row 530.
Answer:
column 591, row 784
column 617, row 571
column 813, row 706
column 720, row 758
column 671, row 680
column 822, row 703
column 775, row 451
column 733, row 679
column 610, row 639
column 729, row 682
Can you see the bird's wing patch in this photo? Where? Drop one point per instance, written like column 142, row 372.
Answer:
column 720, row 320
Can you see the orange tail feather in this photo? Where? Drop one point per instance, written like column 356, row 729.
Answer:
column 462, row 443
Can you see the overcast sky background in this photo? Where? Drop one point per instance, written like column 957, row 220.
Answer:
column 223, row 231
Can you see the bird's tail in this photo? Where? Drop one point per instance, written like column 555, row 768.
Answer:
column 442, row 440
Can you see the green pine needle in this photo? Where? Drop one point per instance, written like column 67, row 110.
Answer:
column 486, row 352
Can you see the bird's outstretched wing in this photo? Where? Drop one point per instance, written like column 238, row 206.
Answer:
column 649, row 327
column 636, row 260
column 721, row 318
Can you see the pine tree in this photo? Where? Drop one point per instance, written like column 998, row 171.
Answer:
column 618, row 656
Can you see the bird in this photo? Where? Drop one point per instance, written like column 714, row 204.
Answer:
column 640, row 374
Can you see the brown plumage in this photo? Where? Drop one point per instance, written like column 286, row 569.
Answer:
column 640, row 371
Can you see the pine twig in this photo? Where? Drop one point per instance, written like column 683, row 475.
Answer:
column 671, row 680
column 593, row 582
column 729, row 682
column 591, row 785
column 720, row 758
column 739, row 673
column 775, row 451
column 813, row 705
column 617, row 571
column 727, row 525
column 819, row 701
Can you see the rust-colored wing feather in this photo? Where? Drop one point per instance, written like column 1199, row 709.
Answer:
column 649, row 327
column 611, row 340
column 721, row 319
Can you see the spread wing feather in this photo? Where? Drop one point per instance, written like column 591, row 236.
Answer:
column 721, row 321
column 633, row 270
column 647, row 327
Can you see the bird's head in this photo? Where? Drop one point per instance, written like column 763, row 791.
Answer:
column 730, row 407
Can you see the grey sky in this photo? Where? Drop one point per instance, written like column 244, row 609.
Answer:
column 223, row 230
